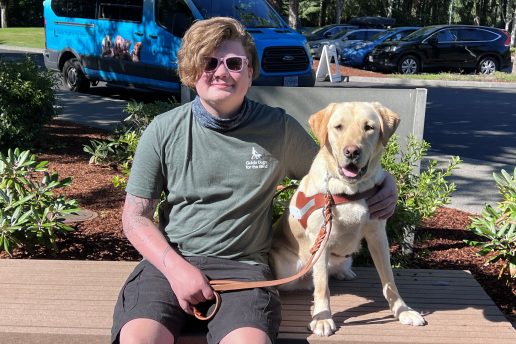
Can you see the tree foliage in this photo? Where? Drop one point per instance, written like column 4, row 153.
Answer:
column 498, row 13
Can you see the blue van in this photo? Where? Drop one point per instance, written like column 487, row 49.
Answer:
column 135, row 42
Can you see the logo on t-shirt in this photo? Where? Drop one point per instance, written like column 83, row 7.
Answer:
column 256, row 160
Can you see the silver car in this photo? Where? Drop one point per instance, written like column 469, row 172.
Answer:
column 342, row 40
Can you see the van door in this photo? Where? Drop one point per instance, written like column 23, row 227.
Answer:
column 166, row 25
column 120, row 38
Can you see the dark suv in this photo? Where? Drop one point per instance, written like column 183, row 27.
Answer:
column 445, row 47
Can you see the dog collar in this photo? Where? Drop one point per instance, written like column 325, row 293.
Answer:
column 305, row 206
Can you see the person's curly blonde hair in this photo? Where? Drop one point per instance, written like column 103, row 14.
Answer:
column 203, row 37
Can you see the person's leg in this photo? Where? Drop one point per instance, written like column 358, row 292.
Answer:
column 147, row 310
column 245, row 316
column 246, row 335
column 139, row 331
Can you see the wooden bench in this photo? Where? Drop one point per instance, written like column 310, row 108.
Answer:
column 66, row 302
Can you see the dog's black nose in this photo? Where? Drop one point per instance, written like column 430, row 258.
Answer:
column 351, row 152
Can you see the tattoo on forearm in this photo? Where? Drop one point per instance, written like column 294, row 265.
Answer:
column 138, row 212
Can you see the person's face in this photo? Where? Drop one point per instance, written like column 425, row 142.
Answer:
column 222, row 91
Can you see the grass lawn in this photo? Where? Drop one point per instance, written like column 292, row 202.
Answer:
column 31, row 37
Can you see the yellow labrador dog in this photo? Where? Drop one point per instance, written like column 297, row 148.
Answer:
column 352, row 137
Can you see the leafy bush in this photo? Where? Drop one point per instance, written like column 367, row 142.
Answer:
column 120, row 148
column 27, row 102
column 30, row 213
column 281, row 200
column 419, row 194
column 498, row 226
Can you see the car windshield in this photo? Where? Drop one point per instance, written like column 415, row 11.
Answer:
column 320, row 29
column 253, row 14
column 380, row 35
column 343, row 33
column 419, row 34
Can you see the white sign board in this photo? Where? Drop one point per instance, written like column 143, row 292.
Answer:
column 328, row 54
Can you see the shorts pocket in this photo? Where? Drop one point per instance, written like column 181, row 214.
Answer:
column 130, row 291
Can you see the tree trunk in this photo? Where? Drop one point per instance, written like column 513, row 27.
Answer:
column 293, row 14
column 390, row 4
column 322, row 14
column 339, row 8
column 3, row 14
column 513, row 34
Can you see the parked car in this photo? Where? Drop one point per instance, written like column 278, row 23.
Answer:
column 445, row 47
column 357, row 54
column 342, row 40
column 328, row 31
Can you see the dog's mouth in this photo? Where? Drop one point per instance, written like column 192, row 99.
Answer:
column 352, row 172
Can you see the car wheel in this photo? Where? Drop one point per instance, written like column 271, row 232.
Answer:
column 73, row 76
column 408, row 65
column 488, row 65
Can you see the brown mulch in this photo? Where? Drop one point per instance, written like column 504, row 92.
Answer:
column 440, row 244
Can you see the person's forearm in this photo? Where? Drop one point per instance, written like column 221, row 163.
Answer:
column 145, row 236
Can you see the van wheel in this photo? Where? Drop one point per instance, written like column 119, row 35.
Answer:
column 409, row 65
column 488, row 65
column 73, row 76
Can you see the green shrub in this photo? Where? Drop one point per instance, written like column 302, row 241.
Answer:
column 27, row 102
column 30, row 213
column 497, row 225
column 119, row 149
column 420, row 193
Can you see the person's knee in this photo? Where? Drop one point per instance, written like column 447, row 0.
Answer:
column 139, row 331
column 246, row 335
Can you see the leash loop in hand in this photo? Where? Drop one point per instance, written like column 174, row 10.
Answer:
column 198, row 314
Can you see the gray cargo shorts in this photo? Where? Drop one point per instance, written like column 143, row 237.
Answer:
column 147, row 294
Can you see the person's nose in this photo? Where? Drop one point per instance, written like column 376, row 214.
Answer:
column 221, row 69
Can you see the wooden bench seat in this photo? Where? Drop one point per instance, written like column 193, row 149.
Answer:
column 52, row 301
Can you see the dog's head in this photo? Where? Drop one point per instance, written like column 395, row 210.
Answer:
column 354, row 133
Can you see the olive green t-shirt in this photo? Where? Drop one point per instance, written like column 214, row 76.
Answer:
column 219, row 185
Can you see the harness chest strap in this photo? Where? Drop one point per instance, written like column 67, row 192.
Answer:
column 305, row 206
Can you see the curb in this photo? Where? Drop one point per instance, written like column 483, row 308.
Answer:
column 22, row 49
column 433, row 83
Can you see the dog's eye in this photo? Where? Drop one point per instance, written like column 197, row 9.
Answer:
column 338, row 127
column 368, row 127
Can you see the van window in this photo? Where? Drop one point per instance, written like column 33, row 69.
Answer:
column 251, row 13
column 122, row 10
column 74, row 8
column 174, row 16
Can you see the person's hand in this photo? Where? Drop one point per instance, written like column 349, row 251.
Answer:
column 383, row 203
column 190, row 285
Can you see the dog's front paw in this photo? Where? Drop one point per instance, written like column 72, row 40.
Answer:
column 411, row 317
column 345, row 275
column 323, row 327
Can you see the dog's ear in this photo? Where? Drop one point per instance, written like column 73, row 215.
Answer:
column 319, row 123
column 390, row 121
